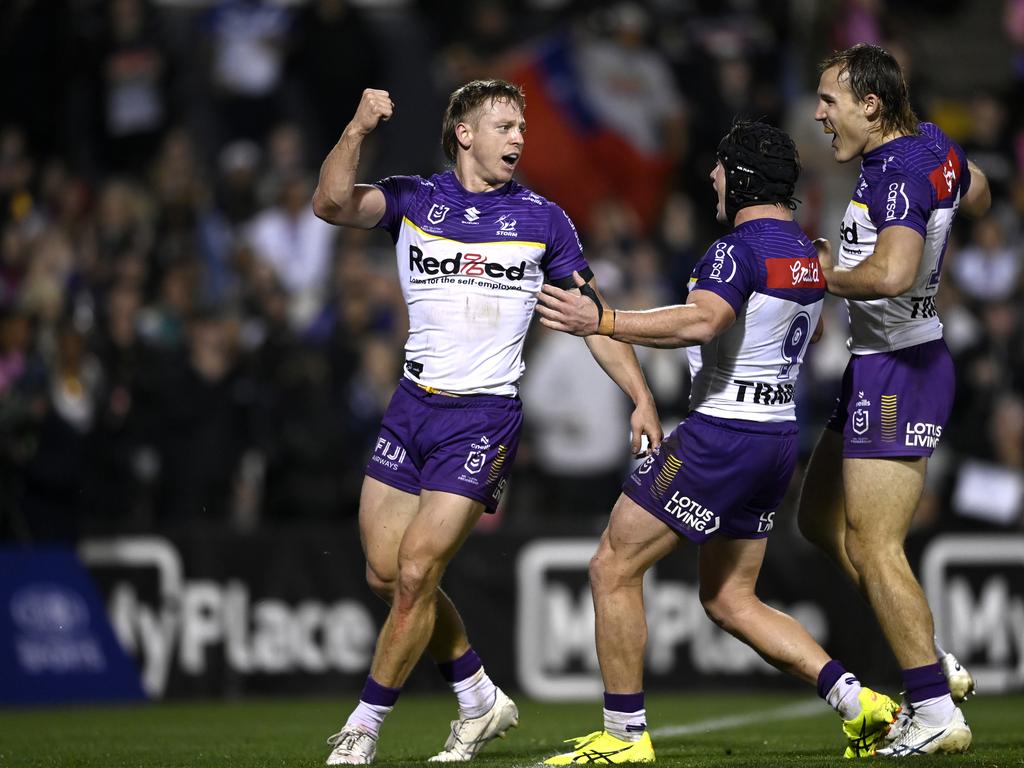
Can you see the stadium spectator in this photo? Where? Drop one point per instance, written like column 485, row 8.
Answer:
column 133, row 73
column 248, row 48
column 297, row 246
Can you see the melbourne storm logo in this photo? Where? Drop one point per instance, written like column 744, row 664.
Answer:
column 507, row 226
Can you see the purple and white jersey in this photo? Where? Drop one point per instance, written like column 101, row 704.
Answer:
column 917, row 182
column 768, row 271
column 470, row 264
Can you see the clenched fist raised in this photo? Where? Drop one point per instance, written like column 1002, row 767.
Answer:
column 373, row 107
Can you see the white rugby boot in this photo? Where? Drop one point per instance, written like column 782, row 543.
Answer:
column 469, row 735
column 352, row 746
column 918, row 739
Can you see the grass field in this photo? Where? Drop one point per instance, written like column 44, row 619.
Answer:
column 698, row 731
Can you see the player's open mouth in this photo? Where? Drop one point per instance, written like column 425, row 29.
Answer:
column 830, row 131
column 510, row 160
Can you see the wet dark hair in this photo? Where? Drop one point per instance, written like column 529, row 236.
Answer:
column 468, row 99
column 761, row 166
column 872, row 69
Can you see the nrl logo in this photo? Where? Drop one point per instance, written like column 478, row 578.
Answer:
column 437, row 213
column 861, row 421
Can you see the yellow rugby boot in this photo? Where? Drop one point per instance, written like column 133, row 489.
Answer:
column 867, row 731
column 603, row 748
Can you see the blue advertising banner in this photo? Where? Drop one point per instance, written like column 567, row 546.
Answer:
column 56, row 643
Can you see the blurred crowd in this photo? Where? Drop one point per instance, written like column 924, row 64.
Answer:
column 182, row 342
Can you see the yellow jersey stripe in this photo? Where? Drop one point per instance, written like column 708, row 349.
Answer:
column 510, row 241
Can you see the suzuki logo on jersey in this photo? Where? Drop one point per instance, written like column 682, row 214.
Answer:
column 861, row 186
column 508, row 226
column 897, row 193
column 437, row 213
column 794, row 273
column 469, row 264
column 471, row 215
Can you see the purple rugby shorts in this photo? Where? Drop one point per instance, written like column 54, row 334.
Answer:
column 462, row 445
column 895, row 403
column 717, row 476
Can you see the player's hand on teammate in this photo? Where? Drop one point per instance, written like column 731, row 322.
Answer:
column 567, row 311
column 824, row 249
column 373, row 107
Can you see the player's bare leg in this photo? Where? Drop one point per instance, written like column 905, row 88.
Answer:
column 728, row 576
column 633, row 541
column 384, row 515
column 431, row 539
column 881, row 496
column 822, row 510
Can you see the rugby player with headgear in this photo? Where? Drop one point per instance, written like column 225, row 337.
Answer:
column 754, row 305
column 866, row 476
column 473, row 249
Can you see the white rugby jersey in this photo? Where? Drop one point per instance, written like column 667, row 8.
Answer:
column 917, row 182
column 470, row 264
column 768, row 271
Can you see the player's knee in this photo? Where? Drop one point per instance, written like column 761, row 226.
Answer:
column 869, row 551
column 382, row 587
column 606, row 570
column 416, row 578
column 725, row 608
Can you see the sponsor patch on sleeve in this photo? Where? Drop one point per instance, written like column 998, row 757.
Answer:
column 794, row 273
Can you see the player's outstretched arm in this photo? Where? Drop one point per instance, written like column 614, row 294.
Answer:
column 887, row 273
column 979, row 197
column 338, row 199
column 697, row 322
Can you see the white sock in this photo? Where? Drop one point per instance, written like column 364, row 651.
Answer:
column 626, row 726
column 369, row 717
column 476, row 694
column 844, row 696
column 934, row 712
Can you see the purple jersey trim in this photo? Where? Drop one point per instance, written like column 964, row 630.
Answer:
column 734, row 267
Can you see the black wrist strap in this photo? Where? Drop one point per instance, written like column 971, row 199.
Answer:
column 591, row 294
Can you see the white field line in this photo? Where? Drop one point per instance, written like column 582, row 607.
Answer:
column 791, row 712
